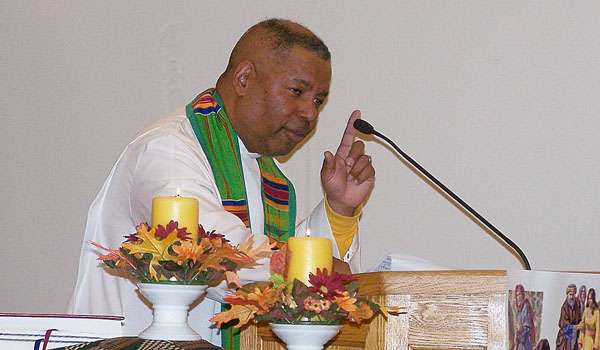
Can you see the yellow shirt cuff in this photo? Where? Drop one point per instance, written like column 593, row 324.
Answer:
column 343, row 227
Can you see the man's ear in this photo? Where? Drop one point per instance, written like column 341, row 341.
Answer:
column 243, row 74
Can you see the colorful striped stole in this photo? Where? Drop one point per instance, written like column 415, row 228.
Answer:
column 279, row 201
column 220, row 144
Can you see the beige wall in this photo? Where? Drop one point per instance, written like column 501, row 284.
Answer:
column 498, row 100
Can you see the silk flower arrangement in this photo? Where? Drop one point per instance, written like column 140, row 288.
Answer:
column 331, row 298
column 167, row 255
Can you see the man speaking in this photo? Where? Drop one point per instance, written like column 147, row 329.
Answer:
column 219, row 150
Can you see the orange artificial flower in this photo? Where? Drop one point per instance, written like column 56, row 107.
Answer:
column 267, row 298
column 187, row 250
column 346, row 302
column 316, row 305
column 363, row 312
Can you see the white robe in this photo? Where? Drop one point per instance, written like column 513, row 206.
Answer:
column 164, row 157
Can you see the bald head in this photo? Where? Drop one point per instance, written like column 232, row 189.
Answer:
column 270, row 40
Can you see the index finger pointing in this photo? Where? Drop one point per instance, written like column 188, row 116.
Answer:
column 346, row 143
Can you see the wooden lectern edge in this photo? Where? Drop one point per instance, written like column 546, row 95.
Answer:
column 432, row 282
column 443, row 272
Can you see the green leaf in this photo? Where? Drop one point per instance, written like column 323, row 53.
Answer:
column 299, row 288
column 352, row 286
column 277, row 280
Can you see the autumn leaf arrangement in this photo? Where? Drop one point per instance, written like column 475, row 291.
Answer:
column 331, row 298
column 168, row 255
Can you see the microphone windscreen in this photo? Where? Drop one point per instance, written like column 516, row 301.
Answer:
column 363, row 126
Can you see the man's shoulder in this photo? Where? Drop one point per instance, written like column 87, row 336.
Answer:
column 173, row 130
column 171, row 122
column 175, row 125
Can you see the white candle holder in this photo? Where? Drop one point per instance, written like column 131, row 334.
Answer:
column 170, row 303
column 305, row 336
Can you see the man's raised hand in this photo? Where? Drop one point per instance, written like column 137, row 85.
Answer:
column 348, row 176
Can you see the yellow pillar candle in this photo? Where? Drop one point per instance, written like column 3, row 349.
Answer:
column 181, row 209
column 308, row 254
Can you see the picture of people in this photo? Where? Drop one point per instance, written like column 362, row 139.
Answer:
column 589, row 327
column 570, row 316
column 525, row 313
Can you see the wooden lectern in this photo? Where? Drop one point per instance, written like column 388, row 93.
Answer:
column 445, row 310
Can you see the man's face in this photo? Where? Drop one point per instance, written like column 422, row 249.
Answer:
column 282, row 105
column 571, row 295
column 519, row 297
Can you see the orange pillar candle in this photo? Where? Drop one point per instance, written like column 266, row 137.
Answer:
column 181, row 209
column 308, row 254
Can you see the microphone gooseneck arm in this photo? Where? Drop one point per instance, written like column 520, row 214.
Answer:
column 367, row 128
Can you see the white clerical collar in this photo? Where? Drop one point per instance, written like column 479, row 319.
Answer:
column 244, row 151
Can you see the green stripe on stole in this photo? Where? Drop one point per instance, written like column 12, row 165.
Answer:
column 220, row 144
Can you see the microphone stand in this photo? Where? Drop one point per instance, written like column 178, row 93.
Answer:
column 366, row 128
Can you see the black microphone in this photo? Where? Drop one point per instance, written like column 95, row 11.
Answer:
column 366, row 128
